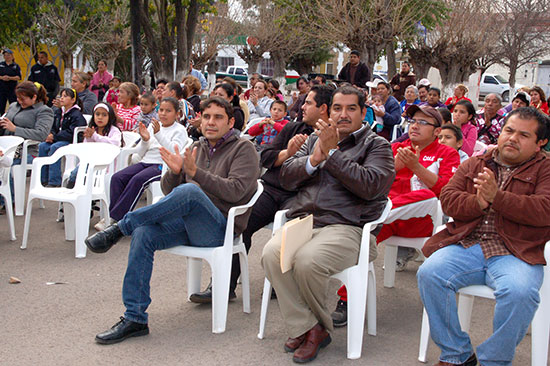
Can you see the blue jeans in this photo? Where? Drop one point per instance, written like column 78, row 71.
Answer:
column 51, row 174
column 516, row 284
column 184, row 217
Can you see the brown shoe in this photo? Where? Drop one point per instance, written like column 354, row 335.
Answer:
column 316, row 338
column 292, row 344
column 472, row 361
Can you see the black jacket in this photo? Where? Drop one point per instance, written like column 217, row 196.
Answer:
column 350, row 187
column 64, row 130
column 362, row 75
column 46, row 75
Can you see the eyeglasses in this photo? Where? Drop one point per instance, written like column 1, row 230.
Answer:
column 421, row 122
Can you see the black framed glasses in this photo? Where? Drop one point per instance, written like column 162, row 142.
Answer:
column 421, row 122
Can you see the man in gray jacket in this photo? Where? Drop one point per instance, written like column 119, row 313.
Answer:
column 342, row 175
column 216, row 173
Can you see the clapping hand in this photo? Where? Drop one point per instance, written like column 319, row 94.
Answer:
column 295, row 144
column 189, row 162
column 143, row 132
column 487, row 187
column 174, row 160
column 156, row 125
column 89, row 132
column 408, row 157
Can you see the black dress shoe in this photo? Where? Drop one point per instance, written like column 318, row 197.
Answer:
column 205, row 297
column 103, row 241
column 122, row 330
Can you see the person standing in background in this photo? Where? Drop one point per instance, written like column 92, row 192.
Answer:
column 45, row 73
column 10, row 74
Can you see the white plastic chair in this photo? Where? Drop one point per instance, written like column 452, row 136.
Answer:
column 252, row 122
column 360, row 281
column 88, row 118
column 94, row 160
column 19, row 174
column 540, row 325
column 130, row 138
column 219, row 259
column 479, row 146
column 8, row 145
column 430, row 207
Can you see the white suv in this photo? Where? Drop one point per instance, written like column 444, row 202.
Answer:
column 493, row 83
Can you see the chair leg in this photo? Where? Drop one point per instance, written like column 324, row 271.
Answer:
column 27, row 225
column 221, row 274
column 19, row 186
column 266, row 296
column 245, row 281
column 70, row 221
column 371, row 301
column 390, row 257
column 82, row 227
column 194, row 271
column 424, row 337
column 9, row 213
column 541, row 329
column 357, row 297
column 465, row 305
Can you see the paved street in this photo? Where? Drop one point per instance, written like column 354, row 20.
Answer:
column 56, row 324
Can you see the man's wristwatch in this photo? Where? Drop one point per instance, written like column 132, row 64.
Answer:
column 331, row 151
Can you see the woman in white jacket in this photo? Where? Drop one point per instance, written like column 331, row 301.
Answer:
column 259, row 103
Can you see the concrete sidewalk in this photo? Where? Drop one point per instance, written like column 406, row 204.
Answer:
column 56, row 324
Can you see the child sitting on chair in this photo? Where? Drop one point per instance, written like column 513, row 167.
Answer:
column 267, row 129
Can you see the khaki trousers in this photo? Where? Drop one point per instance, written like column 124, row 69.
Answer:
column 301, row 292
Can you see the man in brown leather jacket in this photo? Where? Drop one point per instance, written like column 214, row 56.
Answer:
column 500, row 203
column 342, row 175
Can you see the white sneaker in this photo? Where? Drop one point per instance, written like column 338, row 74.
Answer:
column 100, row 226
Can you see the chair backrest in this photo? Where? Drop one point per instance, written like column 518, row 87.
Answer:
column 130, row 138
column 479, row 146
column 236, row 211
column 367, row 228
column 94, row 160
column 8, row 145
column 251, row 123
column 77, row 130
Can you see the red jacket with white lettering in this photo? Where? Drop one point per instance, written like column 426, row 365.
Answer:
column 440, row 159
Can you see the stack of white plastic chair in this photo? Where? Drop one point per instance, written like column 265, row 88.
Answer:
column 94, row 161
column 19, row 174
column 430, row 207
column 360, row 281
column 219, row 259
column 8, row 145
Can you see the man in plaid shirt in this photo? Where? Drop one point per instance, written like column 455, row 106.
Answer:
column 500, row 203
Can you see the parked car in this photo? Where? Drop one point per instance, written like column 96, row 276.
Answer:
column 494, row 83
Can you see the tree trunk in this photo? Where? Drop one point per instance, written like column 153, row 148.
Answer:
column 279, row 72
column 253, row 65
column 390, row 57
column 451, row 75
column 135, row 25
column 67, row 73
column 211, row 68
column 513, row 71
column 369, row 53
column 111, row 64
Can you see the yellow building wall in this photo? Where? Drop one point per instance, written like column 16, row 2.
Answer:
column 25, row 59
